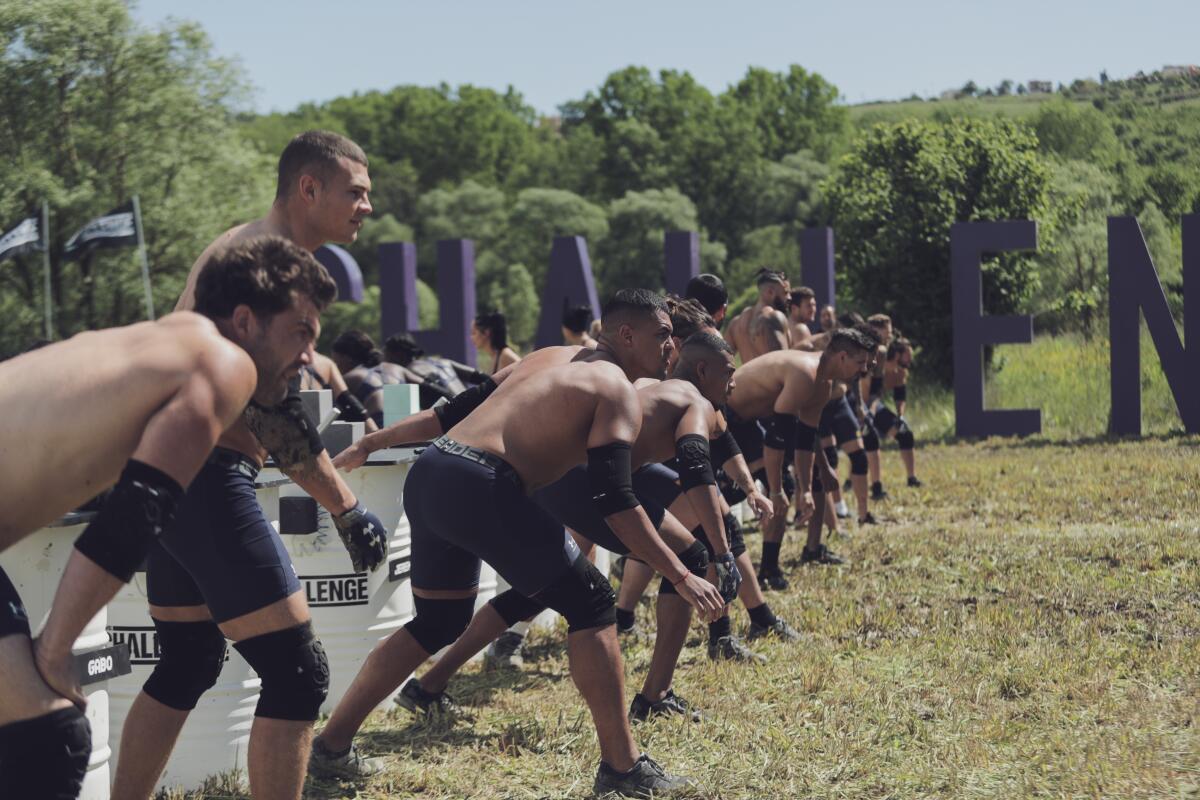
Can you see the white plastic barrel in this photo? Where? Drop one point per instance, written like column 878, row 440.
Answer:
column 351, row 610
column 35, row 564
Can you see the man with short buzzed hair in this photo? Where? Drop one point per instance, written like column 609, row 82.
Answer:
column 221, row 570
column 709, row 291
column 763, row 328
column 495, row 451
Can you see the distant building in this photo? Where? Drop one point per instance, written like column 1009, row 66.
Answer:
column 1041, row 87
column 1180, row 71
column 950, row 94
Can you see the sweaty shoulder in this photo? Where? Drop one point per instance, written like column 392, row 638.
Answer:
column 206, row 349
column 187, row 300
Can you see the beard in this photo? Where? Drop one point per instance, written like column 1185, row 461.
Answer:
column 780, row 304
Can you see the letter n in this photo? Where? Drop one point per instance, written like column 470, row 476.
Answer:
column 1132, row 285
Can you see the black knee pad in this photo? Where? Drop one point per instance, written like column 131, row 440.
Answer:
column 513, row 607
column 695, row 558
column 583, row 596
column 858, row 461
column 904, row 436
column 831, row 455
column 45, row 757
column 438, row 623
column 870, row 439
column 294, row 671
column 190, row 661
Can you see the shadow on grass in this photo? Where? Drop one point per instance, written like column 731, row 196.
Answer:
column 1183, row 438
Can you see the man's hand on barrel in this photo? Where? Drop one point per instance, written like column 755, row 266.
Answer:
column 364, row 536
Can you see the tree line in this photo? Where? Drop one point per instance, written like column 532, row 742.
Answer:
column 96, row 108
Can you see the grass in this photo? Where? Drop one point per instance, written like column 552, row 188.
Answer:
column 1025, row 626
column 1067, row 377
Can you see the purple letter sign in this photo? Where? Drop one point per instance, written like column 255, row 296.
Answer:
column 816, row 265
column 455, row 291
column 681, row 250
column 344, row 270
column 972, row 330
column 1133, row 284
column 569, row 282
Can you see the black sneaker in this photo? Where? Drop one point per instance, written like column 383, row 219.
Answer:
column 324, row 763
column 869, row 519
column 878, row 492
column 772, row 579
column 820, row 555
column 730, row 648
column 645, row 779
column 779, row 629
column 915, row 482
column 431, row 704
column 505, row 652
column 642, row 709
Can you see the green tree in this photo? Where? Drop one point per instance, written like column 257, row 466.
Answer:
column 467, row 211
column 894, row 199
column 1073, row 130
column 97, row 109
column 515, row 296
column 537, row 216
column 377, row 230
column 791, row 111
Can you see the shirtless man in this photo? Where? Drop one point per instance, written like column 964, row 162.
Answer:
column 500, row 454
column 802, row 310
column 709, row 291
column 323, row 373
column 788, row 390
column 221, row 571
column 575, row 323
column 885, row 423
column 169, row 388
column 679, row 419
column 870, row 389
column 762, row 328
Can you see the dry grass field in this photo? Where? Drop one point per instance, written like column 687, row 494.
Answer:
column 1026, row 625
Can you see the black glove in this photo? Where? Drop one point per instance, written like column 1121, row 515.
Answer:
column 364, row 536
column 729, row 578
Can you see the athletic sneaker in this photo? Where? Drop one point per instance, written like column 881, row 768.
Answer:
column 642, row 709
column 730, row 648
column 878, row 492
column 646, row 779
column 915, row 482
column 772, row 579
column 779, row 629
column 431, row 704
column 505, row 652
column 324, row 763
column 869, row 519
column 842, row 510
column 820, row 555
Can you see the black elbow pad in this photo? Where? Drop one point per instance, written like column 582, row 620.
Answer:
column 285, row 431
column 723, row 448
column 806, row 437
column 351, row 407
column 900, row 393
column 695, row 462
column 611, row 478
column 461, row 406
column 780, row 431
column 875, row 388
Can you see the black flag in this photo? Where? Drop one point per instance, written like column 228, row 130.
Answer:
column 26, row 235
column 117, row 228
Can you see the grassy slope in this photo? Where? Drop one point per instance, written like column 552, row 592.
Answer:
column 1024, row 626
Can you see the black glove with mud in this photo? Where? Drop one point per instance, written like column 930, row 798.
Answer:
column 364, row 536
column 729, row 577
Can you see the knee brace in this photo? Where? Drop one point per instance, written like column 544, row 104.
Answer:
column 583, row 596
column 831, row 455
column 438, row 623
column 47, row 756
column 904, row 436
column 858, row 461
column 871, row 439
column 192, row 654
column 695, row 558
column 294, row 671
column 514, row 607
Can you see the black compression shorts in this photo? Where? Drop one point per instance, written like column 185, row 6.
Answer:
column 838, row 421
column 13, row 617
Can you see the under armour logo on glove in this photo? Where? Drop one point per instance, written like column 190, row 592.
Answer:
column 729, row 577
column 364, row 536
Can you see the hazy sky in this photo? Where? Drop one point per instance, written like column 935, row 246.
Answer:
column 553, row 51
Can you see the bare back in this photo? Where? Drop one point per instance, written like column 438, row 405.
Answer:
column 666, row 406
column 759, row 330
column 540, row 417
column 785, row 382
column 62, row 442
